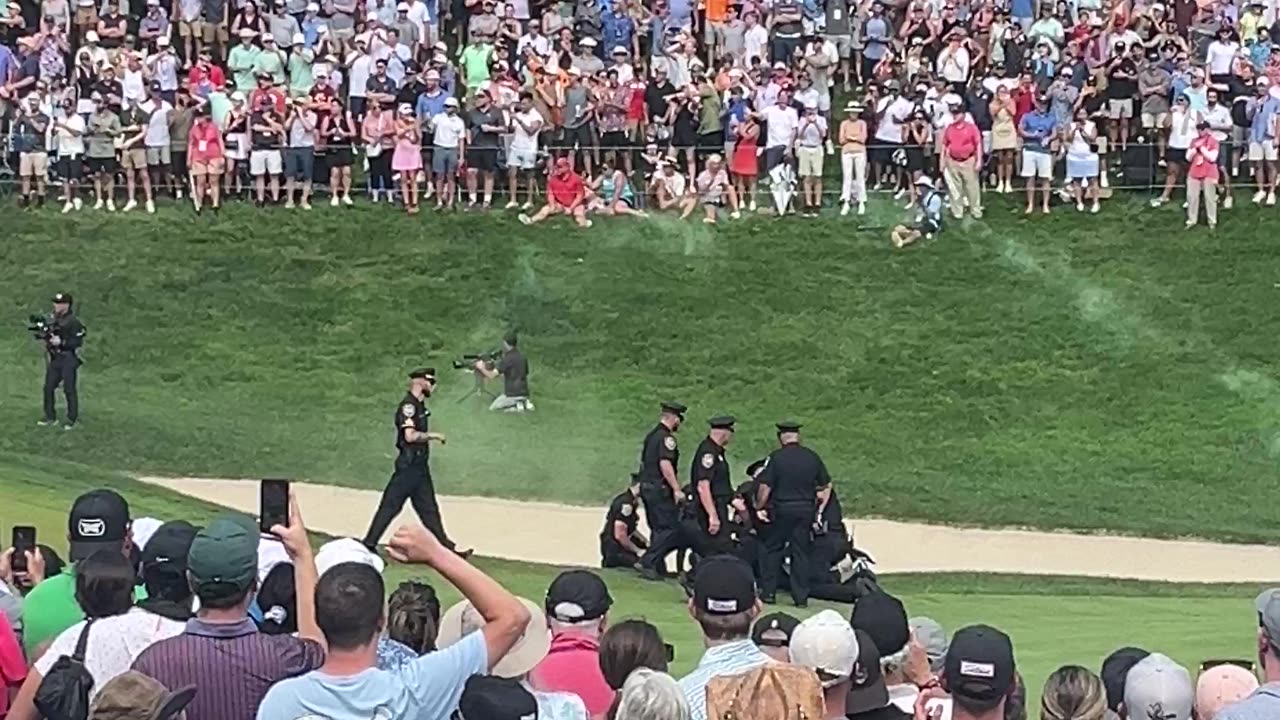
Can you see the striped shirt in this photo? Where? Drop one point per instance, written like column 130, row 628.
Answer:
column 232, row 665
column 732, row 658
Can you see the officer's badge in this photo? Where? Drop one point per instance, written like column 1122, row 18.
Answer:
column 670, row 442
column 708, row 460
column 407, row 409
column 627, row 510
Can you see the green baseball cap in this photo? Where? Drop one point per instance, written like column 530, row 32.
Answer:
column 223, row 561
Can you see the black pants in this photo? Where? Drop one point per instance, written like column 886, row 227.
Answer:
column 62, row 370
column 613, row 555
column 702, row 542
column 380, row 171
column 791, row 532
column 664, row 525
column 411, row 482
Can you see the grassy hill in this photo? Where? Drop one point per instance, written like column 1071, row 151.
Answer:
column 1087, row 372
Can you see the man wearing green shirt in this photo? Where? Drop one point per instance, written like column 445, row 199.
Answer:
column 242, row 60
column 300, row 61
column 475, row 62
column 99, row 521
column 270, row 60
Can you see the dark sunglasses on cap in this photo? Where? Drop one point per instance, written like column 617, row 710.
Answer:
column 1210, row 664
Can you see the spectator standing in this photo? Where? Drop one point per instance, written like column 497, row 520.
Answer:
column 1265, row 701
column 827, row 645
column 1202, row 176
column 266, row 134
column 69, row 132
column 102, row 128
column 242, row 61
column 1155, row 89
column 853, row 159
column 1220, row 126
column 627, row 647
column 961, row 161
column 772, row 634
column 449, row 135
column 33, row 159
column 299, row 165
column 1081, row 140
column 1004, row 137
column 527, row 125
column 744, row 163
column 1220, row 686
column 484, row 123
column 156, row 140
column 1264, row 136
column 979, row 673
column 1183, row 121
column 379, row 133
column 339, row 132
column 206, row 156
column 220, row 651
column 724, row 604
column 1158, row 685
column 1037, row 129
column 1073, row 693
column 811, row 135
column 407, row 158
column 413, row 616
column 577, row 607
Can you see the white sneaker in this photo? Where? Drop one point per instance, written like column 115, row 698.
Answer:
column 589, row 223
column 431, row 190
column 524, row 219
column 862, row 208
column 844, row 209
column 898, row 195
column 1190, row 224
column 288, row 204
column 98, row 205
column 1259, row 196
column 751, row 207
column 66, row 207
column 333, row 201
column 177, row 194
column 512, row 205
column 376, row 195
column 526, row 205
column 134, row 203
column 1103, row 182
column 1227, row 202
column 346, row 200
column 1184, row 204
column 1079, row 207
column 735, row 215
column 1271, row 198
column 1157, row 202
column 1096, row 207
column 151, row 207
column 111, row 205
column 77, row 204
column 305, row 205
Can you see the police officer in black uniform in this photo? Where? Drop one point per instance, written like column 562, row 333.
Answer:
column 660, row 489
column 712, row 490
column 621, row 544
column 411, row 479
column 787, row 502
column 65, row 336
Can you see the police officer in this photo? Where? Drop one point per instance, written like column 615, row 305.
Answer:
column 787, row 504
column 712, row 490
column 411, row 479
column 621, row 544
column 660, row 489
column 65, row 337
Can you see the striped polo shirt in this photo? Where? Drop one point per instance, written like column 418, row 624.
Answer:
column 232, row 665
column 732, row 658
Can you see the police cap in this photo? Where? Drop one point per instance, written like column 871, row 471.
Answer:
column 788, row 426
column 723, row 422
column 423, row 374
column 674, row 408
column 62, row 298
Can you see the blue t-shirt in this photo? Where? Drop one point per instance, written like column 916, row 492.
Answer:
column 1022, row 9
column 1260, row 129
column 428, row 688
column 1039, row 128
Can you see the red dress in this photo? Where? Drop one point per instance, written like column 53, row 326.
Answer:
column 744, row 161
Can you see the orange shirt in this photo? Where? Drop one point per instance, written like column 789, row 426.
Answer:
column 717, row 10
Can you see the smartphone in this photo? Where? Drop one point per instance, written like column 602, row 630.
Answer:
column 24, row 541
column 274, row 504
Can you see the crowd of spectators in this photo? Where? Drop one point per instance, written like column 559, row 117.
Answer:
column 631, row 106
column 169, row 621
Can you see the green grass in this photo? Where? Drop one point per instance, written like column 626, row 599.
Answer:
column 1108, row 372
column 1053, row 621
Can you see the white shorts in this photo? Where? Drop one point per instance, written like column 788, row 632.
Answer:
column 522, row 159
column 1262, row 151
column 1037, row 165
column 238, row 146
column 264, row 162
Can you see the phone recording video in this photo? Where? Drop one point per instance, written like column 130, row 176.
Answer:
column 24, row 541
column 274, row 504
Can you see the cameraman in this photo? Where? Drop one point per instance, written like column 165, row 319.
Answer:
column 63, row 338
column 514, row 370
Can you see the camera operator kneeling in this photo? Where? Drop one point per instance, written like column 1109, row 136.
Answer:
column 514, row 369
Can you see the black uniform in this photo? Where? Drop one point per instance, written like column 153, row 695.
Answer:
column 411, row 479
column 625, row 508
column 710, row 465
column 63, row 367
column 659, row 502
column 794, row 474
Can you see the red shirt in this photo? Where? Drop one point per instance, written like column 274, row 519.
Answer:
column 276, row 97
column 961, row 140
column 1203, row 156
column 204, row 142
column 572, row 665
column 13, row 665
column 197, row 77
column 1023, row 100
column 565, row 189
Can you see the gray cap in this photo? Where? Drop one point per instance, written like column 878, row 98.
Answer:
column 1158, row 688
column 1269, row 617
column 930, row 636
column 1260, row 602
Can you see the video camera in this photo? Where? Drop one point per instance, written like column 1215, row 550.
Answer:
column 41, row 327
column 466, row 362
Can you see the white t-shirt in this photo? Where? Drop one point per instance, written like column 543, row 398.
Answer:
column 541, row 45
column 781, row 123
column 1220, row 57
column 524, row 141
column 132, row 87
column 69, row 143
column 1219, row 119
column 158, row 126
column 418, row 16
column 1182, row 128
column 756, row 43
column 114, row 643
column 448, row 130
column 889, row 129
column 954, row 65
column 674, row 183
column 1079, row 146
column 358, row 75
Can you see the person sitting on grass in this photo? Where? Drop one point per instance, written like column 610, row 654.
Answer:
column 713, row 190
column 929, row 216
column 668, row 187
column 611, row 192
column 566, row 195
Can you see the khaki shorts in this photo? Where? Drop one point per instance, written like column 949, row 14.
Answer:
column 86, row 18
column 1156, row 120
column 844, row 45
column 158, row 155
column 214, row 32
column 190, row 29
column 1120, row 109
column 213, row 167
column 810, row 161
column 133, row 159
column 33, row 164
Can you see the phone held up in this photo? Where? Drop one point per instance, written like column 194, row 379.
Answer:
column 273, row 504
column 24, row 541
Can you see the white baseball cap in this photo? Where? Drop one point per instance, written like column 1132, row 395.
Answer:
column 451, row 102
column 345, row 550
column 91, row 36
column 619, row 50
column 1158, row 684
column 299, row 39
column 313, row 7
column 587, row 42
column 162, row 41
column 826, row 644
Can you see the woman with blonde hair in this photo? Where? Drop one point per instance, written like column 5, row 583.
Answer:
column 1073, row 693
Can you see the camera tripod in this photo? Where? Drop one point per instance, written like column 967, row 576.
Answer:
column 478, row 387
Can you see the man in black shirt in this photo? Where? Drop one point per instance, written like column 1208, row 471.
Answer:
column 712, row 491
column 411, row 479
column 484, row 123
column 63, row 365
column 793, row 482
column 621, row 545
column 514, row 369
column 660, row 489
column 1122, row 87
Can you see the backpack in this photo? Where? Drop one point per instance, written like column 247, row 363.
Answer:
column 771, row 692
column 64, row 691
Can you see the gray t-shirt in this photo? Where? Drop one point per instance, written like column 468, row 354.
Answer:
column 484, row 138
column 735, row 38
column 299, row 135
column 575, row 104
column 213, row 10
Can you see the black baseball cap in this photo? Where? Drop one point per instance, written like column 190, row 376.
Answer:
column 756, row 467
column 1114, row 671
column 722, row 422
column 979, row 669
column 868, row 690
column 674, row 408
column 62, row 298
column 423, row 374
column 99, row 520
column 724, row 585
column 486, row 697
column 774, row 630
column 577, row 596
column 883, row 617
column 167, row 549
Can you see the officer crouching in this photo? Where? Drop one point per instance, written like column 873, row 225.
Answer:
column 62, row 340
column 621, row 544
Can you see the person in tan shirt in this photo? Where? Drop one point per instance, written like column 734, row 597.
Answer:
column 853, row 159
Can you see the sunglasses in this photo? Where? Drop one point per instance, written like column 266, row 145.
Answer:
column 1210, row 664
